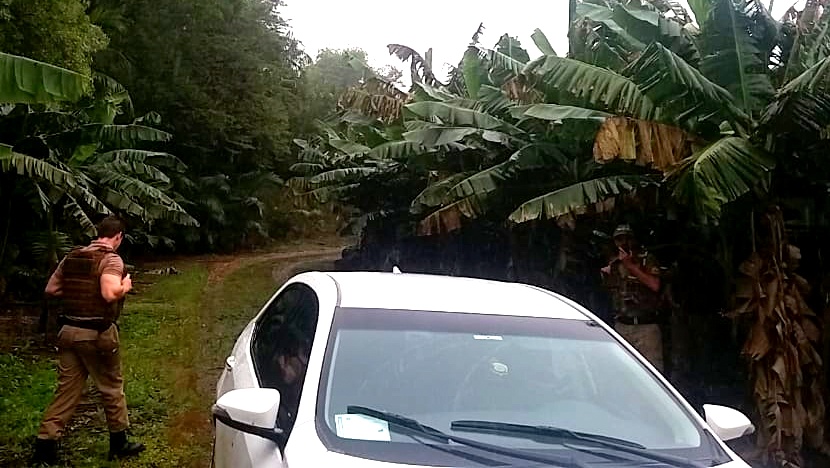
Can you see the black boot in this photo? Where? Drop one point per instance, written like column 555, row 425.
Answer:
column 46, row 452
column 120, row 447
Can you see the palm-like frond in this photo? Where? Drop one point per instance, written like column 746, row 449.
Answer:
column 29, row 166
column 456, row 116
column 143, row 171
column 471, row 66
column 110, row 98
column 348, row 147
column 28, row 81
column 304, row 168
column 44, row 201
column 124, row 204
column 678, row 11
column 590, row 86
column 83, row 193
column 322, row 195
column 542, row 42
column 49, row 246
column 734, row 55
column 420, row 67
column 75, row 211
column 425, row 92
column 133, row 156
column 702, row 9
column 578, row 198
column 449, row 218
column 140, row 190
column 467, row 195
column 123, row 136
column 815, row 78
column 531, row 157
column 396, row 150
column 610, row 17
column 508, row 66
column 558, row 113
column 434, row 194
column 720, row 173
column 805, row 115
column 685, row 95
column 341, row 175
column 433, row 136
column 493, row 101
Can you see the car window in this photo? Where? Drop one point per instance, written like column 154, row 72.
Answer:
column 281, row 345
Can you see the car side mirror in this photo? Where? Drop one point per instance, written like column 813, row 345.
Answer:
column 250, row 410
column 727, row 423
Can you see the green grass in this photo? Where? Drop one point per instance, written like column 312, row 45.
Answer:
column 175, row 336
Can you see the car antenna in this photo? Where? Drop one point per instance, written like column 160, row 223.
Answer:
column 396, row 270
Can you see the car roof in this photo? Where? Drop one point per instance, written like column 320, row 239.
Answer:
column 407, row 291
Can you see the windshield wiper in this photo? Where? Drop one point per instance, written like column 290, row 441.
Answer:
column 413, row 426
column 535, row 432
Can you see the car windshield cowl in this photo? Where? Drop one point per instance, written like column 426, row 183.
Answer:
column 409, row 424
column 535, row 432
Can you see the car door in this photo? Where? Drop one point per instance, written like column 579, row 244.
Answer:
column 272, row 352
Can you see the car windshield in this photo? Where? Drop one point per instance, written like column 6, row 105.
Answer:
column 439, row 368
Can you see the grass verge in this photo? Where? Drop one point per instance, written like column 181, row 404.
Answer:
column 175, row 335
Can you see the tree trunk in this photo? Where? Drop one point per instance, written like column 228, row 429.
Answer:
column 571, row 19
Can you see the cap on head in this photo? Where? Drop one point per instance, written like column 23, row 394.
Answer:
column 623, row 230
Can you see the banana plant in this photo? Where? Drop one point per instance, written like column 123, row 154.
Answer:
column 73, row 155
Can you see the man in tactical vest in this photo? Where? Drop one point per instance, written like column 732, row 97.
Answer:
column 92, row 283
column 633, row 279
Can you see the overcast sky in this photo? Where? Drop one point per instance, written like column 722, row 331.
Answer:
column 444, row 25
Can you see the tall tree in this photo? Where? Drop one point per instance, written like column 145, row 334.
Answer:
column 54, row 31
column 224, row 75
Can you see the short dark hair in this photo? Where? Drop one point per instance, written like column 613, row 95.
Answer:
column 110, row 226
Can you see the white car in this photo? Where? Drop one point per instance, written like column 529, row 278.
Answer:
column 359, row 369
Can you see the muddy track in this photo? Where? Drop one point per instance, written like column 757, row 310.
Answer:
column 284, row 260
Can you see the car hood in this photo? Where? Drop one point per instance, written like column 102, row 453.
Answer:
column 326, row 458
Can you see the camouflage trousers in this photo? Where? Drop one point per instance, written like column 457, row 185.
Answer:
column 646, row 339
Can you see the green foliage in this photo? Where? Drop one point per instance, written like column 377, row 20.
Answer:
column 569, row 81
column 28, row 81
column 53, row 31
column 62, row 168
column 577, row 198
column 684, row 94
column 28, row 387
column 721, row 173
column 165, row 390
column 483, row 141
column 225, row 78
column 736, row 52
column 327, row 79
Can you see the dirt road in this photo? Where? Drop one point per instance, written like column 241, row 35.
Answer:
column 176, row 331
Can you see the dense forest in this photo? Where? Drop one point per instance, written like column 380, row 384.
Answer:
column 181, row 121
column 210, row 129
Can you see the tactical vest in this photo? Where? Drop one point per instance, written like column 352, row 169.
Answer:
column 82, row 285
column 631, row 298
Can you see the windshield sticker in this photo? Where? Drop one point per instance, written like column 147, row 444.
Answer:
column 358, row 426
column 488, row 337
